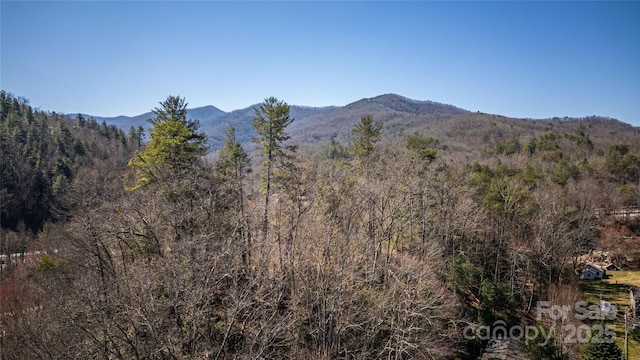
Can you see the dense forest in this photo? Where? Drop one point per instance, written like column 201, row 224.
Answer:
column 377, row 244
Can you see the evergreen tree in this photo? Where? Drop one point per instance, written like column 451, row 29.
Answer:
column 542, row 347
column 424, row 147
column 233, row 160
column 601, row 348
column 231, row 167
column 367, row 134
column 336, row 150
column 270, row 123
column 175, row 144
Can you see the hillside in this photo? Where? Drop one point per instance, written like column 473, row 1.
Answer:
column 242, row 120
column 204, row 113
column 455, row 127
column 43, row 155
column 312, row 124
column 390, row 239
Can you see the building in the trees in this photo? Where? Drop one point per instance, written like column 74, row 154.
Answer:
column 592, row 272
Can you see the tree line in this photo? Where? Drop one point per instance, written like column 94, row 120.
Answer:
column 380, row 248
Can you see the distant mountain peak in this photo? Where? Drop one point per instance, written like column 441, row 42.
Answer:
column 400, row 103
column 204, row 112
column 311, row 123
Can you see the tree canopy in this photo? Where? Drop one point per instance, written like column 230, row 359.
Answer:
column 367, row 134
column 401, row 252
column 233, row 160
column 272, row 118
column 174, row 147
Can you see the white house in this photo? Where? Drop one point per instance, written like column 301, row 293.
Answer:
column 592, row 271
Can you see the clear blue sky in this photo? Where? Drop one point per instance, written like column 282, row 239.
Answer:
column 522, row 59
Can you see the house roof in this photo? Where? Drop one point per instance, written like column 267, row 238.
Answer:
column 593, row 268
column 503, row 349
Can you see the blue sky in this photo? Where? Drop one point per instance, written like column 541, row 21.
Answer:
column 521, row 59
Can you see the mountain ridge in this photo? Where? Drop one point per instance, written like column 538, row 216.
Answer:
column 211, row 112
column 214, row 122
column 316, row 124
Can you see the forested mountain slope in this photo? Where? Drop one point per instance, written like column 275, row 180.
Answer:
column 401, row 115
column 388, row 228
column 44, row 153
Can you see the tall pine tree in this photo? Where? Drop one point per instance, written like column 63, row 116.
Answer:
column 367, row 134
column 270, row 123
column 231, row 167
column 175, row 145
